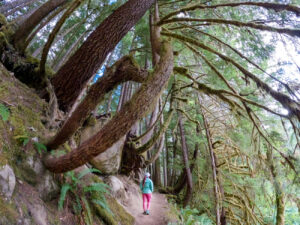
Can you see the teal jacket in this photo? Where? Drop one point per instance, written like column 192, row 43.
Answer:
column 148, row 186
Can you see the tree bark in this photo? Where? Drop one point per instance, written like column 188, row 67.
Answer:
column 28, row 25
column 73, row 75
column 185, row 158
column 20, row 19
column 122, row 122
column 11, row 5
column 214, row 168
column 157, row 167
column 41, row 25
column 16, row 9
column 121, row 71
column 54, row 32
column 69, row 52
column 279, row 192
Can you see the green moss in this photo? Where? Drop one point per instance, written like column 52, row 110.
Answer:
column 3, row 20
column 8, row 212
column 180, row 70
column 104, row 214
column 3, row 39
column 120, row 214
column 25, row 172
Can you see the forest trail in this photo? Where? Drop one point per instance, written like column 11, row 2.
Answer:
column 158, row 211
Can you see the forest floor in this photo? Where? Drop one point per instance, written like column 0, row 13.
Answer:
column 159, row 210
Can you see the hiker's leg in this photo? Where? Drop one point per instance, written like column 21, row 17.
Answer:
column 144, row 202
column 148, row 200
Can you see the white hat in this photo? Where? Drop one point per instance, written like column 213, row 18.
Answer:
column 147, row 174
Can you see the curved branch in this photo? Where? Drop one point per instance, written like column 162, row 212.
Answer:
column 123, row 70
column 122, row 122
column 292, row 106
column 157, row 136
column 54, row 32
column 235, row 93
column 151, row 127
column 288, row 31
column 266, row 5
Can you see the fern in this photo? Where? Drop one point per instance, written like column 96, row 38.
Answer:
column 77, row 207
column 87, row 171
column 4, row 112
column 23, row 139
column 63, row 192
column 39, row 147
column 89, row 219
column 99, row 187
column 103, row 204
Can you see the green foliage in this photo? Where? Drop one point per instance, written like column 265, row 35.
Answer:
column 39, row 147
column 4, row 112
column 80, row 194
column 188, row 216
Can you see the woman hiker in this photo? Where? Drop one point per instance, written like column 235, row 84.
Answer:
column 147, row 188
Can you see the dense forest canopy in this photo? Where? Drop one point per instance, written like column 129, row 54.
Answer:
column 205, row 91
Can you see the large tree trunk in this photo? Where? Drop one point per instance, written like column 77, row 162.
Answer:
column 189, row 180
column 141, row 102
column 73, row 75
column 121, row 71
column 59, row 62
column 28, row 25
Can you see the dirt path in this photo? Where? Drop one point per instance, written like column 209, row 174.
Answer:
column 158, row 211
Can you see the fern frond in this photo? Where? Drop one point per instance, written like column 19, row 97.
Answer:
column 89, row 218
column 103, row 204
column 99, row 187
column 87, row 171
column 4, row 112
column 63, row 192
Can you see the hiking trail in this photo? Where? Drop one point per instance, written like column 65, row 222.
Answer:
column 159, row 210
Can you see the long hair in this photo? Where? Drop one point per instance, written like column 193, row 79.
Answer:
column 144, row 180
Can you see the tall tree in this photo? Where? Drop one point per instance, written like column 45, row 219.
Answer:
column 33, row 20
column 73, row 75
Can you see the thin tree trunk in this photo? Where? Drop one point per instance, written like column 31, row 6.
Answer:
column 20, row 19
column 28, row 25
column 13, row 10
column 73, row 75
column 41, row 25
column 121, row 71
column 122, row 122
column 54, row 32
column 157, row 177
column 173, row 174
column 279, row 192
column 214, row 168
column 12, row 5
column 185, row 158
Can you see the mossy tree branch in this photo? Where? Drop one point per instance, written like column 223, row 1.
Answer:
column 288, row 31
column 157, row 135
column 121, row 123
column 54, row 32
column 266, row 5
column 123, row 70
column 292, row 106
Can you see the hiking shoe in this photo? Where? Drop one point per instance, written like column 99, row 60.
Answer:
column 147, row 212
